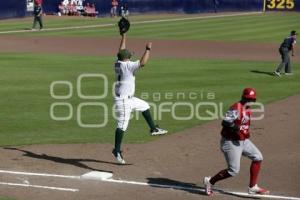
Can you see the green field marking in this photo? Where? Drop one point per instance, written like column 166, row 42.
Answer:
column 26, row 100
column 266, row 27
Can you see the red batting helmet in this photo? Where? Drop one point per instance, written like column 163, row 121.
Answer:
column 249, row 93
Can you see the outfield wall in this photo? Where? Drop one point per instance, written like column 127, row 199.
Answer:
column 185, row 6
column 12, row 8
column 194, row 6
column 18, row 8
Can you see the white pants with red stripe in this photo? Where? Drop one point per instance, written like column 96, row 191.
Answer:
column 233, row 151
column 124, row 106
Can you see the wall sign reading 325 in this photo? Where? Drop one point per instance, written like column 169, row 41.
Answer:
column 280, row 4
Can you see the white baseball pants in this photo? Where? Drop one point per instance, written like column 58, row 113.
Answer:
column 124, row 106
column 234, row 149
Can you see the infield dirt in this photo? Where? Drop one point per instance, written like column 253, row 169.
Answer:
column 161, row 48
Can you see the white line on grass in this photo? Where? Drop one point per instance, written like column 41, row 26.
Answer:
column 140, row 22
column 40, row 186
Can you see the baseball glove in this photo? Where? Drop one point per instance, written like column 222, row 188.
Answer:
column 124, row 25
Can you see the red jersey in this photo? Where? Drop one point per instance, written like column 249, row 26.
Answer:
column 114, row 3
column 38, row 2
column 239, row 115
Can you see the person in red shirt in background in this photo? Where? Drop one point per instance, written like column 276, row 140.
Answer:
column 74, row 9
column 235, row 142
column 38, row 2
column 114, row 6
column 38, row 13
column 87, row 9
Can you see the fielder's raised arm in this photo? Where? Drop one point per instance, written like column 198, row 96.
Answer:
column 146, row 55
column 123, row 42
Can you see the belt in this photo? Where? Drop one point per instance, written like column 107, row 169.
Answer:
column 283, row 47
column 124, row 96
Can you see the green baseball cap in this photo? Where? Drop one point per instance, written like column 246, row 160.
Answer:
column 124, row 54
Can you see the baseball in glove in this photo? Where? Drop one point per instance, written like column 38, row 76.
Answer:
column 124, row 25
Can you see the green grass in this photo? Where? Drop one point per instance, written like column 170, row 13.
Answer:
column 26, row 79
column 267, row 27
column 59, row 22
column 5, row 198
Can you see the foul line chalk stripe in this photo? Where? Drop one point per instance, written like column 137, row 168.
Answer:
column 258, row 196
column 40, row 186
column 200, row 190
column 136, row 183
column 39, row 174
column 140, row 22
column 153, row 185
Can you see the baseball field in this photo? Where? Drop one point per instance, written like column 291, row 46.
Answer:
column 57, row 118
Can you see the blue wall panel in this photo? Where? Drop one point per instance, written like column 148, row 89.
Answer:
column 51, row 6
column 12, row 8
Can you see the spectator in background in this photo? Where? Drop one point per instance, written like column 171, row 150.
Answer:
column 37, row 12
column 86, row 9
column 71, row 8
column 216, row 4
column 94, row 12
column 90, row 10
column 121, row 4
column 74, row 9
column 62, row 9
column 124, row 10
column 114, row 6
column 79, row 6
column 65, row 2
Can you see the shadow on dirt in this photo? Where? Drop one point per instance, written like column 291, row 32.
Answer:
column 176, row 185
column 189, row 187
column 68, row 161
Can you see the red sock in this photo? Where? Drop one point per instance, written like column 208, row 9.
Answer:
column 220, row 176
column 254, row 171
